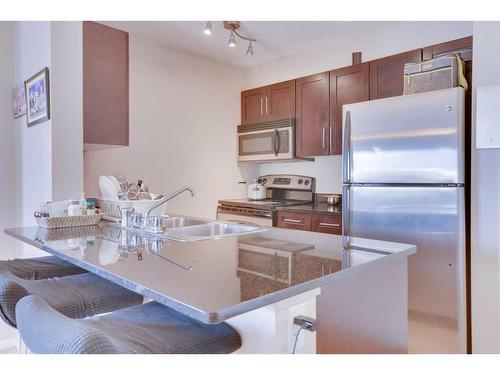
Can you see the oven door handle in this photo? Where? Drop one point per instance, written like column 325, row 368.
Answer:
column 276, row 142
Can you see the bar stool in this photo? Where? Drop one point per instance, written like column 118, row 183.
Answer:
column 40, row 268
column 76, row 296
column 150, row 328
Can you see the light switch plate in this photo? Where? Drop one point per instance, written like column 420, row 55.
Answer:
column 488, row 117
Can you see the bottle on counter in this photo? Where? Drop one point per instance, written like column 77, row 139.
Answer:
column 44, row 210
column 91, row 209
column 83, row 204
column 74, row 208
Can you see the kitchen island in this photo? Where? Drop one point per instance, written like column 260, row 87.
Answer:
column 256, row 282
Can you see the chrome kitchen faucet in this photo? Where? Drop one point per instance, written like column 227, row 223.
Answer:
column 167, row 198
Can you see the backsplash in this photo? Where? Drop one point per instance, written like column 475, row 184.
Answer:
column 326, row 169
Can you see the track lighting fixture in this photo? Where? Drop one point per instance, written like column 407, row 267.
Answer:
column 250, row 49
column 233, row 27
column 208, row 28
column 232, row 41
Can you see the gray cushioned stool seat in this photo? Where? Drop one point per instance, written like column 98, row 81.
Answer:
column 150, row 328
column 76, row 296
column 40, row 268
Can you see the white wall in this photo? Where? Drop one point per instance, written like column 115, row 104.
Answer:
column 184, row 109
column 8, row 246
column 7, row 136
column 374, row 40
column 49, row 162
column 485, row 204
column 33, row 144
column 67, row 109
column 43, row 162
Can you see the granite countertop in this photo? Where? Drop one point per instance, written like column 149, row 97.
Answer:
column 315, row 207
column 213, row 280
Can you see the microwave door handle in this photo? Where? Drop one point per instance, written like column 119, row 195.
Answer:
column 276, row 142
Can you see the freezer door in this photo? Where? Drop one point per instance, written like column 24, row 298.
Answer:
column 432, row 218
column 407, row 139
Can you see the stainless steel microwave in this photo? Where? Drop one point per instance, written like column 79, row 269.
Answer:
column 267, row 141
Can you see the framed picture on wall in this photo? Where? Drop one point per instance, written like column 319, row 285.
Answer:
column 37, row 97
column 18, row 101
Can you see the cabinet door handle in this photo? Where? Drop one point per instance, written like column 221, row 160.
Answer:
column 329, row 225
column 330, row 138
column 267, row 112
column 292, row 221
column 323, row 137
column 261, row 105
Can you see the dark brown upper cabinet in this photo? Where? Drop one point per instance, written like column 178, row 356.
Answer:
column 312, row 115
column 347, row 85
column 461, row 46
column 268, row 103
column 280, row 101
column 105, row 85
column 386, row 74
column 252, row 106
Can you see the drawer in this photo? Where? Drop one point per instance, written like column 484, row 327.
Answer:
column 328, row 223
column 294, row 220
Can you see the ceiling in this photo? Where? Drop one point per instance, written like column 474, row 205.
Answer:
column 274, row 38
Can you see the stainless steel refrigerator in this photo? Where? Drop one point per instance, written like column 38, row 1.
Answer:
column 403, row 175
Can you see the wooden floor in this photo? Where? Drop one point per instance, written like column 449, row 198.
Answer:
column 444, row 338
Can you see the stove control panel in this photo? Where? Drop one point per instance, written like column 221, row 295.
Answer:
column 287, row 182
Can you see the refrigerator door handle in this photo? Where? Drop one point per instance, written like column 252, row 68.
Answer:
column 346, row 156
column 346, row 216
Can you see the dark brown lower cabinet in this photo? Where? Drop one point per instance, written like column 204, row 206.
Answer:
column 310, row 221
column 294, row 220
column 328, row 223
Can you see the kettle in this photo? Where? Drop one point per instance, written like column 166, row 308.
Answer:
column 256, row 192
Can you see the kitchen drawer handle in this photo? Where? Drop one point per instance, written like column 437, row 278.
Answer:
column 293, row 221
column 329, row 225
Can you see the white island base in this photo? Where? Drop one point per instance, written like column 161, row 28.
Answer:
column 365, row 312
column 270, row 329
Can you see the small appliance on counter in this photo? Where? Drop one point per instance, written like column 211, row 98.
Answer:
column 331, row 199
column 281, row 190
column 256, row 191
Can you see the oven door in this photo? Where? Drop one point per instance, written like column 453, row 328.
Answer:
column 246, row 215
column 267, row 144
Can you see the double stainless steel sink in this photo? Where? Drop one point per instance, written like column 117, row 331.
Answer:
column 210, row 230
column 187, row 229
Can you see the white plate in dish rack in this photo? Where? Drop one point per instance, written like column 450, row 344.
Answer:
column 115, row 182
column 107, row 188
column 111, row 207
